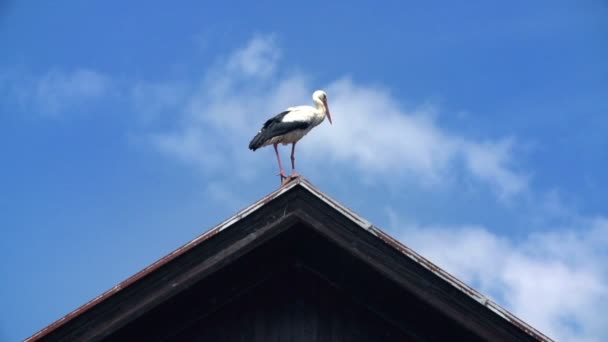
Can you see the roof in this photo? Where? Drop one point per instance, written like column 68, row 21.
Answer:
column 264, row 214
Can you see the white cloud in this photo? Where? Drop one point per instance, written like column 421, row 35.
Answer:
column 372, row 130
column 220, row 192
column 258, row 59
column 557, row 281
column 54, row 92
column 57, row 90
column 217, row 117
column 154, row 99
column 489, row 161
column 378, row 136
column 188, row 147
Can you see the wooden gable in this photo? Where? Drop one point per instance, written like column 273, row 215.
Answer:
column 294, row 266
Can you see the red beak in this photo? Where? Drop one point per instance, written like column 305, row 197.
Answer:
column 328, row 114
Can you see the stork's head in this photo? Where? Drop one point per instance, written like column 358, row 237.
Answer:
column 320, row 97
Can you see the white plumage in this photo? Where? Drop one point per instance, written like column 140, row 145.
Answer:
column 289, row 126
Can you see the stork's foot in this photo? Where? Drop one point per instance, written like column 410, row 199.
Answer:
column 283, row 176
column 291, row 177
column 287, row 179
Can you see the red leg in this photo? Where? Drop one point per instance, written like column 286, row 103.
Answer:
column 281, row 171
column 294, row 174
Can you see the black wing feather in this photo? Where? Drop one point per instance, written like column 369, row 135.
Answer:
column 277, row 118
column 274, row 127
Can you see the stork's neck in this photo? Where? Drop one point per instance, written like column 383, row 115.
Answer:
column 321, row 109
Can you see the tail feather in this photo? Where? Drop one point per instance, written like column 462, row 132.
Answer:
column 257, row 141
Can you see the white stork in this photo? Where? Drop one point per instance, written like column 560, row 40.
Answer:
column 289, row 126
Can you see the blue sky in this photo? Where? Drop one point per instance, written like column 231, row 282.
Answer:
column 474, row 133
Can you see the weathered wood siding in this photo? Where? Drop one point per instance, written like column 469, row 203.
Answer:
column 299, row 287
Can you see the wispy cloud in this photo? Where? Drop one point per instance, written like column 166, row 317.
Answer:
column 379, row 136
column 152, row 100
column 373, row 131
column 491, row 161
column 555, row 280
column 258, row 59
column 55, row 91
